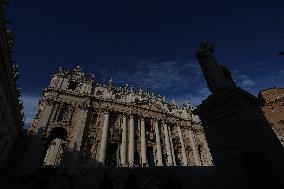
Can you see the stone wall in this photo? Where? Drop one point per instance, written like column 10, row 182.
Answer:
column 273, row 107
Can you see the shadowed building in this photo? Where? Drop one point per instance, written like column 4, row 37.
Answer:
column 11, row 117
column 273, row 107
column 245, row 150
column 81, row 123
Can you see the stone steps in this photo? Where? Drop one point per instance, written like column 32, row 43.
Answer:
column 187, row 177
column 150, row 177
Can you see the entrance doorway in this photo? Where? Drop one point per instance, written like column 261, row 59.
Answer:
column 112, row 160
column 150, row 156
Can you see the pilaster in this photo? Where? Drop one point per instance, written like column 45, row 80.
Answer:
column 143, row 142
column 123, row 146
column 104, row 138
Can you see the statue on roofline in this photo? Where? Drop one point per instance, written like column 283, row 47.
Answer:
column 92, row 76
column 60, row 69
column 110, row 82
column 126, row 87
column 78, row 69
column 218, row 77
column 63, row 71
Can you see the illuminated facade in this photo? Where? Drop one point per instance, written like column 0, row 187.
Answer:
column 87, row 124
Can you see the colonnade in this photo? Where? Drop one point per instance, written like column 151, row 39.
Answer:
column 127, row 146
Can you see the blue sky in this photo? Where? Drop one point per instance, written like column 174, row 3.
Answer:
column 147, row 43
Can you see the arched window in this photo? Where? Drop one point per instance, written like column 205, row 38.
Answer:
column 64, row 114
column 99, row 93
column 118, row 97
column 72, row 85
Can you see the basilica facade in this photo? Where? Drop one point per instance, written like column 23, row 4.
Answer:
column 81, row 123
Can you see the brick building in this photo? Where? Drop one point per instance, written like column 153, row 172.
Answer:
column 273, row 107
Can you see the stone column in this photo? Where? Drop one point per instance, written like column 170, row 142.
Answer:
column 53, row 153
column 48, row 154
column 59, row 152
column 123, row 146
column 143, row 142
column 104, row 139
column 158, row 144
column 172, row 146
column 168, row 145
column 131, row 142
column 75, row 144
column 193, row 145
column 184, row 159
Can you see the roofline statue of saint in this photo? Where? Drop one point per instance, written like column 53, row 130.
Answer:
column 218, row 77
